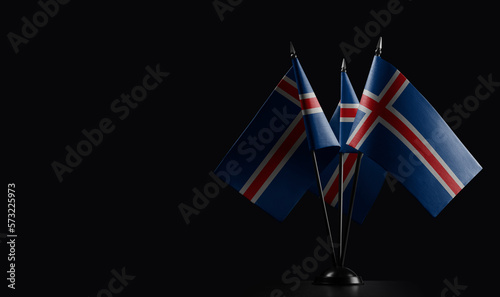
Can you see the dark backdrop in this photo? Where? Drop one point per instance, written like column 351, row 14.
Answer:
column 118, row 208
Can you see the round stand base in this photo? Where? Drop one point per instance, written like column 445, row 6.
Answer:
column 338, row 276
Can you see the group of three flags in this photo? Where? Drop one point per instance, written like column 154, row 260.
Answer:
column 391, row 121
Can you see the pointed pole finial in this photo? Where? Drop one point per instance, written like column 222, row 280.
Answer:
column 343, row 68
column 293, row 54
column 378, row 50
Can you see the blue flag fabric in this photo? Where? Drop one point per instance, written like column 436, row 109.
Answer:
column 319, row 132
column 270, row 163
column 371, row 175
column 399, row 129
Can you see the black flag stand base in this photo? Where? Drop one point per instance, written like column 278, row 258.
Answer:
column 338, row 276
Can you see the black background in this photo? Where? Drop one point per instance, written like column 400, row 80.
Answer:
column 119, row 207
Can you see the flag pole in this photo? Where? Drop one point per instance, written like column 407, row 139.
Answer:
column 351, row 207
column 341, row 195
column 320, row 188
column 341, row 204
column 342, row 275
column 378, row 52
column 293, row 55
